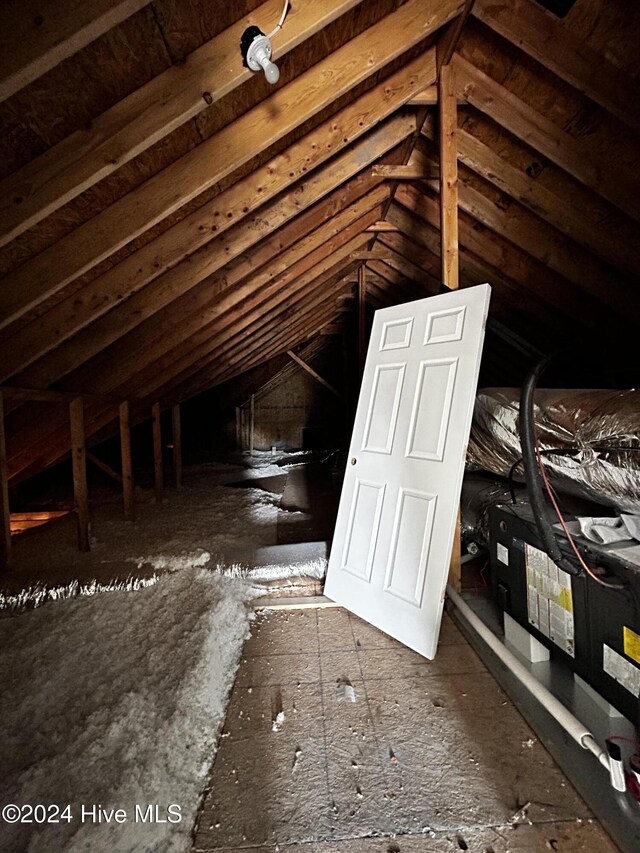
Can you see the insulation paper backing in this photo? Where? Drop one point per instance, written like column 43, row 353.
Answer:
column 549, row 599
column 624, row 672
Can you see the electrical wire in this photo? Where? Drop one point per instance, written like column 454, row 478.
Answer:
column 622, row 739
column 278, row 26
column 556, row 507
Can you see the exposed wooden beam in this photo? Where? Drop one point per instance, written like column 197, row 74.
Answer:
column 511, row 274
column 352, row 279
column 416, row 254
column 38, row 442
column 273, row 339
column 542, row 242
column 274, row 265
column 147, row 115
column 5, row 509
column 266, row 333
column 409, row 172
column 381, row 227
column 35, row 37
column 108, row 470
column 236, row 144
column 449, row 41
column 283, row 370
column 52, row 445
column 448, row 125
column 551, row 43
column 307, row 367
column 368, row 255
column 572, row 154
column 409, row 270
column 39, row 395
column 570, row 219
column 212, row 220
column 534, row 285
column 234, row 331
column 177, row 445
column 128, row 492
column 429, row 98
column 286, row 332
column 158, row 464
column 79, row 463
column 36, row 395
column 227, row 316
column 394, row 284
column 362, row 316
column 184, row 277
column 277, row 324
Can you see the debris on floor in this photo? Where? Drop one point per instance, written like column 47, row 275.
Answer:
column 427, row 760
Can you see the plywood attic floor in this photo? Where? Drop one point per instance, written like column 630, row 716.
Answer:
column 431, row 756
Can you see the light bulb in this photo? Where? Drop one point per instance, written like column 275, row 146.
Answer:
column 271, row 71
column 258, row 54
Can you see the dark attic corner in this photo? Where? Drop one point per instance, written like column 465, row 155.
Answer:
column 319, row 426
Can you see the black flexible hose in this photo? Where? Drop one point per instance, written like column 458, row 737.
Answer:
column 532, row 475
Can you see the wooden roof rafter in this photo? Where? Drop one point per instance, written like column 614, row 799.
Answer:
column 198, row 170
column 35, row 38
column 551, row 43
column 146, row 116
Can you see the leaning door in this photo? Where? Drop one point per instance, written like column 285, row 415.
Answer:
column 394, row 532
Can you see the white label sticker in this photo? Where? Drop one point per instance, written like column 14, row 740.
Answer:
column 549, row 599
column 625, row 673
column 502, row 553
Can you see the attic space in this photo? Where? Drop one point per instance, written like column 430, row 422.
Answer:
column 319, row 426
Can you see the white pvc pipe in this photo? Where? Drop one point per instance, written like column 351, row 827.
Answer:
column 569, row 723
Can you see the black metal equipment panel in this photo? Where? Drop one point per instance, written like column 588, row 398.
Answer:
column 601, row 617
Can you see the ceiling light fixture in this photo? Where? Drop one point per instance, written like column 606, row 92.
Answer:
column 255, row 48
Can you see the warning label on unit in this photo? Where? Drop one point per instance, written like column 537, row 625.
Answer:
column 502, row 553
column 549, row 599
column 624, row 672
column 631, row 644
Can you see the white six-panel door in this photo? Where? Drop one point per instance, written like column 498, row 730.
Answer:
column 394, row 533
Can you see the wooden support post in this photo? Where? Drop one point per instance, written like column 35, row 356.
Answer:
column 127, row 467
column 79, row 462
column 157, row 452
column 252, row 417
column 362, row 317
column 177, row 445
column 238, row 428
column 448, row 112
column 5, row 513
column 448, row 177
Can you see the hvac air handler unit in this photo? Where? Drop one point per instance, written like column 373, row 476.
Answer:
column 591, row 628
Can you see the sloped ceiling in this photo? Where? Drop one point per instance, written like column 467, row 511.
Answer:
column 168, row 220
